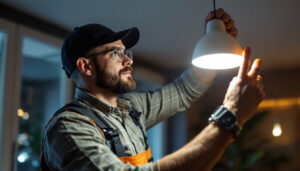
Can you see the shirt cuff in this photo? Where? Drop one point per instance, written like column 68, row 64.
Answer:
column 190, row 80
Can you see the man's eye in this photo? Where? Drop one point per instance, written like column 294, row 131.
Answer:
column 119, row 52
column 115, row 53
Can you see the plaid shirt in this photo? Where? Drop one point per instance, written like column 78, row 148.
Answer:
column 73, row 142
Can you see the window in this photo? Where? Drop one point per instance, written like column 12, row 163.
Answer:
column 39, row 99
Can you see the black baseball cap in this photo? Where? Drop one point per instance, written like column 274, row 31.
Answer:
column 86, row 37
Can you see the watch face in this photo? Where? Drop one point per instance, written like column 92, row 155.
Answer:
column 227, row 120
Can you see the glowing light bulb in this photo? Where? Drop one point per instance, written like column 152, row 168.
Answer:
column 277, row 131
column 218, row 61
column 217, row 49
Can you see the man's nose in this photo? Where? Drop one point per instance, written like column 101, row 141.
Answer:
column 127, row 61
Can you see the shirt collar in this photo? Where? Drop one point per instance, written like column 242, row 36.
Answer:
column 91, row 100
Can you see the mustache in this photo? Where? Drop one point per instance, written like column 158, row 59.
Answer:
column 127, row 68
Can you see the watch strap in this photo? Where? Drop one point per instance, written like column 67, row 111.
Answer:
column 226, row 119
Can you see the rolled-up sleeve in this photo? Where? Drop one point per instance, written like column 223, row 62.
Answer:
column 73, row 142
column 174, row 97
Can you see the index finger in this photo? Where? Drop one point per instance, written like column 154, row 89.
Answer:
column 244, row 68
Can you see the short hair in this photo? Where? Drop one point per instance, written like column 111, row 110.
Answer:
column 75, row 76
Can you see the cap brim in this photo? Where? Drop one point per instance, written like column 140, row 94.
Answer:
column 129, row 37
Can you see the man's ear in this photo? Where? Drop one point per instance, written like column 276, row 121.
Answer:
column 84, row 66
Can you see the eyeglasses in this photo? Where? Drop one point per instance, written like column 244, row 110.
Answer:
column 118, row 53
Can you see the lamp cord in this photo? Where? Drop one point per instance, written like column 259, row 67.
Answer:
column 214, row 3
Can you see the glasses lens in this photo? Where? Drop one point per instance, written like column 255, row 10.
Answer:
column 129, row 53
column 120, row 55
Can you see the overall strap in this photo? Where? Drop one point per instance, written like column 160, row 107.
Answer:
column 135, row 116
column 112, row 138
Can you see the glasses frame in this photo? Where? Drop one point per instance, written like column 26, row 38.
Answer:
column 116, row 50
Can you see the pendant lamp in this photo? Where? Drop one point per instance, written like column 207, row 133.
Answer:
column 217, row 49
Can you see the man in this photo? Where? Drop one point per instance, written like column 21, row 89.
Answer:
column 82, row 137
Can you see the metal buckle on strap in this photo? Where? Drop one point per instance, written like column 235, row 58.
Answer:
column 111, row 133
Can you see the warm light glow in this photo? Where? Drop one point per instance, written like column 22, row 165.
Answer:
column 285, row 102
column 218, row 61
column 277, row 130
column 23, row 115
column 282, row 102
column 20, row 113
column 298, row 101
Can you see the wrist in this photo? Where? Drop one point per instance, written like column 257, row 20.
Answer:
column 232, row 108
column 225, row 133
column 226, row 119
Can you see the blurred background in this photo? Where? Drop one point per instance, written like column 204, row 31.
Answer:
column 33, row 85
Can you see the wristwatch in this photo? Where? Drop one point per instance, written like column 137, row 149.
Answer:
column 226, row 119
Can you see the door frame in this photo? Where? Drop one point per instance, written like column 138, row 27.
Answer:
column 7, row 135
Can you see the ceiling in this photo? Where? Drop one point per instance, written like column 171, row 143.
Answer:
column 171, row 28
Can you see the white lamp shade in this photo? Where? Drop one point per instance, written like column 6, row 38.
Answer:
column 217, row 49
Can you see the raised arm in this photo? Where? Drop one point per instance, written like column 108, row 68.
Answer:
column 244, row 94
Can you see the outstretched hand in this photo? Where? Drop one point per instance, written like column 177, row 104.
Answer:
column 245, row 91
column 229, row 22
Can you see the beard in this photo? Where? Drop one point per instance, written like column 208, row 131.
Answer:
column 113, row 82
